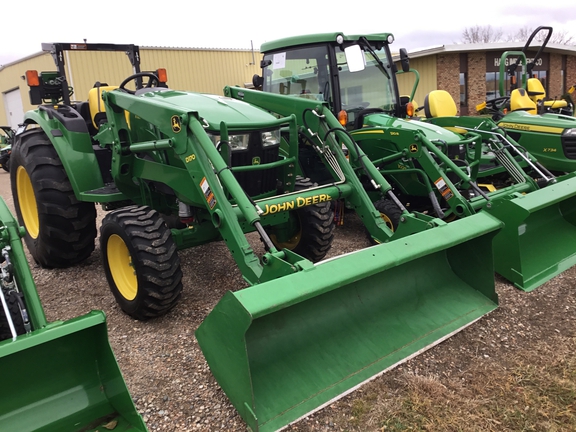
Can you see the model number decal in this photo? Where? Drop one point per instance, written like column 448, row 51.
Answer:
column 549, row 150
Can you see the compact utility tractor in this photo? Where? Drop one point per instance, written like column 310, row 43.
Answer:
column 59, row 376
column 6, row 138
column 176, row 169
column 445, row 165
column 545, row 127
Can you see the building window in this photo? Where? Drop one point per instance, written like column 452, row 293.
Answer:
column 463, row 84
column 463, row 89
column 493, row 85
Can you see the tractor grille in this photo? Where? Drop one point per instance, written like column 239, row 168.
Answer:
column 569, row 146
column 261, row 181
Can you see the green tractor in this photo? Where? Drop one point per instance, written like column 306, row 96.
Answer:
column 546, row 128
column 448, row 166
column 61, row 376
column 176, row 169
column 6, row 138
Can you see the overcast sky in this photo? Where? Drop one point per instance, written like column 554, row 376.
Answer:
column 237, row 24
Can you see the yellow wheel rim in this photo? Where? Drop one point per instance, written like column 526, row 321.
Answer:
column 121, row 267
column 293, row 241
column 27, row 202
column 289, row 244
column 388, row 221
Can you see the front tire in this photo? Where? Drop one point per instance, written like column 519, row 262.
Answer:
column 309, row 231
column 390, row 214
column 140, row 261
column 60, row 230
column 16, row 307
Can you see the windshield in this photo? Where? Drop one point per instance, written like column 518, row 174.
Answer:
column 302, row 71
column 371, row 87
column 305, row 72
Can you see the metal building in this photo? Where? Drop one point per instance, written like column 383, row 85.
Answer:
column 193, row 69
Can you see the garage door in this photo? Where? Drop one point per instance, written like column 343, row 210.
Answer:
column 14, row 108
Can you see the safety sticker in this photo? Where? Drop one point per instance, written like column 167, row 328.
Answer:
column 176, row 124
column 443, row 188
column 210, row 198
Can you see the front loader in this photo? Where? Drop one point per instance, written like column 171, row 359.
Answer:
column 176, row 169
column 447, row 166
column 58, row 376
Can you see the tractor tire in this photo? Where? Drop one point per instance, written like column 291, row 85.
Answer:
column 140, row 261
column 60, row 230
column 311, row 228
column 390, row 213
column 14, row 301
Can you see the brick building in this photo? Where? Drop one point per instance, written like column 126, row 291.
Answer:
column 471, row 72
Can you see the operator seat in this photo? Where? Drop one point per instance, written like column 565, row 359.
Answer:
column 96, row 104
column 520, row 101
column 537, row 93
column 439, row 103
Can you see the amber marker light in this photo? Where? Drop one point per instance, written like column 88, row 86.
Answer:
column 343, row 118
column 162, row 75
column 410, row 109
column 32, row 78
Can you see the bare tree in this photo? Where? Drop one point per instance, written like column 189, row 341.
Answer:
column 487, row 34
column 482, row 34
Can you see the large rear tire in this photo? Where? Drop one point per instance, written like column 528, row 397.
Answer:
column 140, row 261
column 60, row 230
column 310, row 229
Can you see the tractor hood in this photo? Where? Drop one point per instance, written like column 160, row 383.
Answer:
column 431, row 131
column 213, row 109
column 545, row 123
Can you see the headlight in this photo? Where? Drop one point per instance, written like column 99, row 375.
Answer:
column 270, row 138
column 236, row 142
column 570, row 132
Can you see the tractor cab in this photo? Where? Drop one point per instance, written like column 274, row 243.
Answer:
column 354, row 75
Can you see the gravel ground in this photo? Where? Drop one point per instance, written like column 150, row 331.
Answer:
column 166, row 372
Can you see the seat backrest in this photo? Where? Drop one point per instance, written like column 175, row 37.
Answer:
column 96, row 104
column 439, row 103
column 520, row 101
column 535, row 89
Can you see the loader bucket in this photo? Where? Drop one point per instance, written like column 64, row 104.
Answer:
column 64, row 378
column 285, row 348
column 539, row 234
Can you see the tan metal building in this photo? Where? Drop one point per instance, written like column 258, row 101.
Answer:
column 193, row 69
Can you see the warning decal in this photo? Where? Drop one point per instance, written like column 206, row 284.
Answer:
column 210, row 199
column 443, row 188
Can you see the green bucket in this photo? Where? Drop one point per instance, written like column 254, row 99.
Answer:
column 539, row 234
column 64, row 378
column 285, row 348
column 60, row 376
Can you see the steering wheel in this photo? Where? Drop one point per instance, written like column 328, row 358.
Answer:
column 153, row 81
column 497, row 104
column 359, row 121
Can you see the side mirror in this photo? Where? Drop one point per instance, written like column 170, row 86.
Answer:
column 257, row 81
column 355, row 58
column 404, row 60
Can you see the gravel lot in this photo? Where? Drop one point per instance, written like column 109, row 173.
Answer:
column 171, row 383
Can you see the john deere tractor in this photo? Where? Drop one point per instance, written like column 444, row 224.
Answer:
column 545, row 127
column 58, row 376
column 444, row 165
column 175, row 169
column 6, row 138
